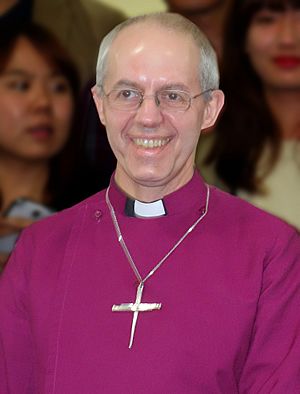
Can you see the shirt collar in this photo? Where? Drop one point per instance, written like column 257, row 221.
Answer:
column 142, row 209
column 191, row 196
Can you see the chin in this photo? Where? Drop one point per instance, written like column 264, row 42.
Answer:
column 156, row 178
column 148, row 179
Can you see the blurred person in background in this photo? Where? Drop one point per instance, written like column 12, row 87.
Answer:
column 255, row 149
column 75, row 23
column 209, row 15
column 38, row 91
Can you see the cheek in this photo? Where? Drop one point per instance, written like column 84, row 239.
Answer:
column 186, row 129
column 12, row 114
column 63, row 113
column 63, row 110
column 258, row 42
column 117, row 125
column 11, row 122
column 187, row 123
column 259, row 51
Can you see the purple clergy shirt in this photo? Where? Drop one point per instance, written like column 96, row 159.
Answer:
column 230, row 294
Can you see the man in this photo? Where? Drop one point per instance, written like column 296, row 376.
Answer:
column 209, row 15
column 160, row 284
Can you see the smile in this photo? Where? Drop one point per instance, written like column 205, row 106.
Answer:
column 151, row 143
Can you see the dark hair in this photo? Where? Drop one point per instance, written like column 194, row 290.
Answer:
column 246, row 125
column 62, row 164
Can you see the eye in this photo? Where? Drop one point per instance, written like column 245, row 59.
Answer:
column 60, row 85
column 173, row 96
column 19, row 85
column 127, row 94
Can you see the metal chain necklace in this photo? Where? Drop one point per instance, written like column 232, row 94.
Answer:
column 138, row 306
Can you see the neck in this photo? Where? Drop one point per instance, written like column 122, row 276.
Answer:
column 284, row 105
column 151, row 191
column 24, row 179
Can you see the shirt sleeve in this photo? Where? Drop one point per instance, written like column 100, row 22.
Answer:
column 16, row 350
column 273, row 361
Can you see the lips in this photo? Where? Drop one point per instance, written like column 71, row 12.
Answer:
column 287, row 62
column 41, row 131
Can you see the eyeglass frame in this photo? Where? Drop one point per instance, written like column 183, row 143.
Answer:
column 156, row 100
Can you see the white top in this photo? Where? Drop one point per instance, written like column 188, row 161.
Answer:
column 281, row 187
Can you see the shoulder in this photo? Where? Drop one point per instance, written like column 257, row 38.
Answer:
column 58, row 227
column 241, row 229
column 248, row 223
column 47, row 248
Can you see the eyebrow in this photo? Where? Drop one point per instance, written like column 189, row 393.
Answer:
column 126, row 83
column 176, row 86
column 168, row 86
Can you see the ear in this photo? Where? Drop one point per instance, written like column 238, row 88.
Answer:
column 98, row 100
column 213, row 108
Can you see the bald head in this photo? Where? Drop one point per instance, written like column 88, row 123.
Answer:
column 167, row 22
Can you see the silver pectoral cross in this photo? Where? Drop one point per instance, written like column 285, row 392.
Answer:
column 136, row 307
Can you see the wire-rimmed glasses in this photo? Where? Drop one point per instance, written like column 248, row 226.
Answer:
column 128, row 99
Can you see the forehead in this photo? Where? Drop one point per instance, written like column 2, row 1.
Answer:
column 26, row 56
column 151, row 52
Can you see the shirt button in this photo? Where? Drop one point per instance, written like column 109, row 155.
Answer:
column 98, row 215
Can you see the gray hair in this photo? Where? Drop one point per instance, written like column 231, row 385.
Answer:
column 208, row 66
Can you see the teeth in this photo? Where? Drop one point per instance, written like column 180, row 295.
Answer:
column 151, row 143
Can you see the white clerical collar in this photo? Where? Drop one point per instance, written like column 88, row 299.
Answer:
column 145, row 209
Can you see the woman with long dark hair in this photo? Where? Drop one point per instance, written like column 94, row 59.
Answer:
column 255, row 150
column 38, row 143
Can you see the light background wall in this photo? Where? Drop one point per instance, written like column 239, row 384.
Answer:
column 136, row 7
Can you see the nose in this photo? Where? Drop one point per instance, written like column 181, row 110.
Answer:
column 149, row 113
column 41, row 98
column 289, row 29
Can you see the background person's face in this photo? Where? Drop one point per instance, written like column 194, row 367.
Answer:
column 36, row 106
column 273, row 47
column 150, row 59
